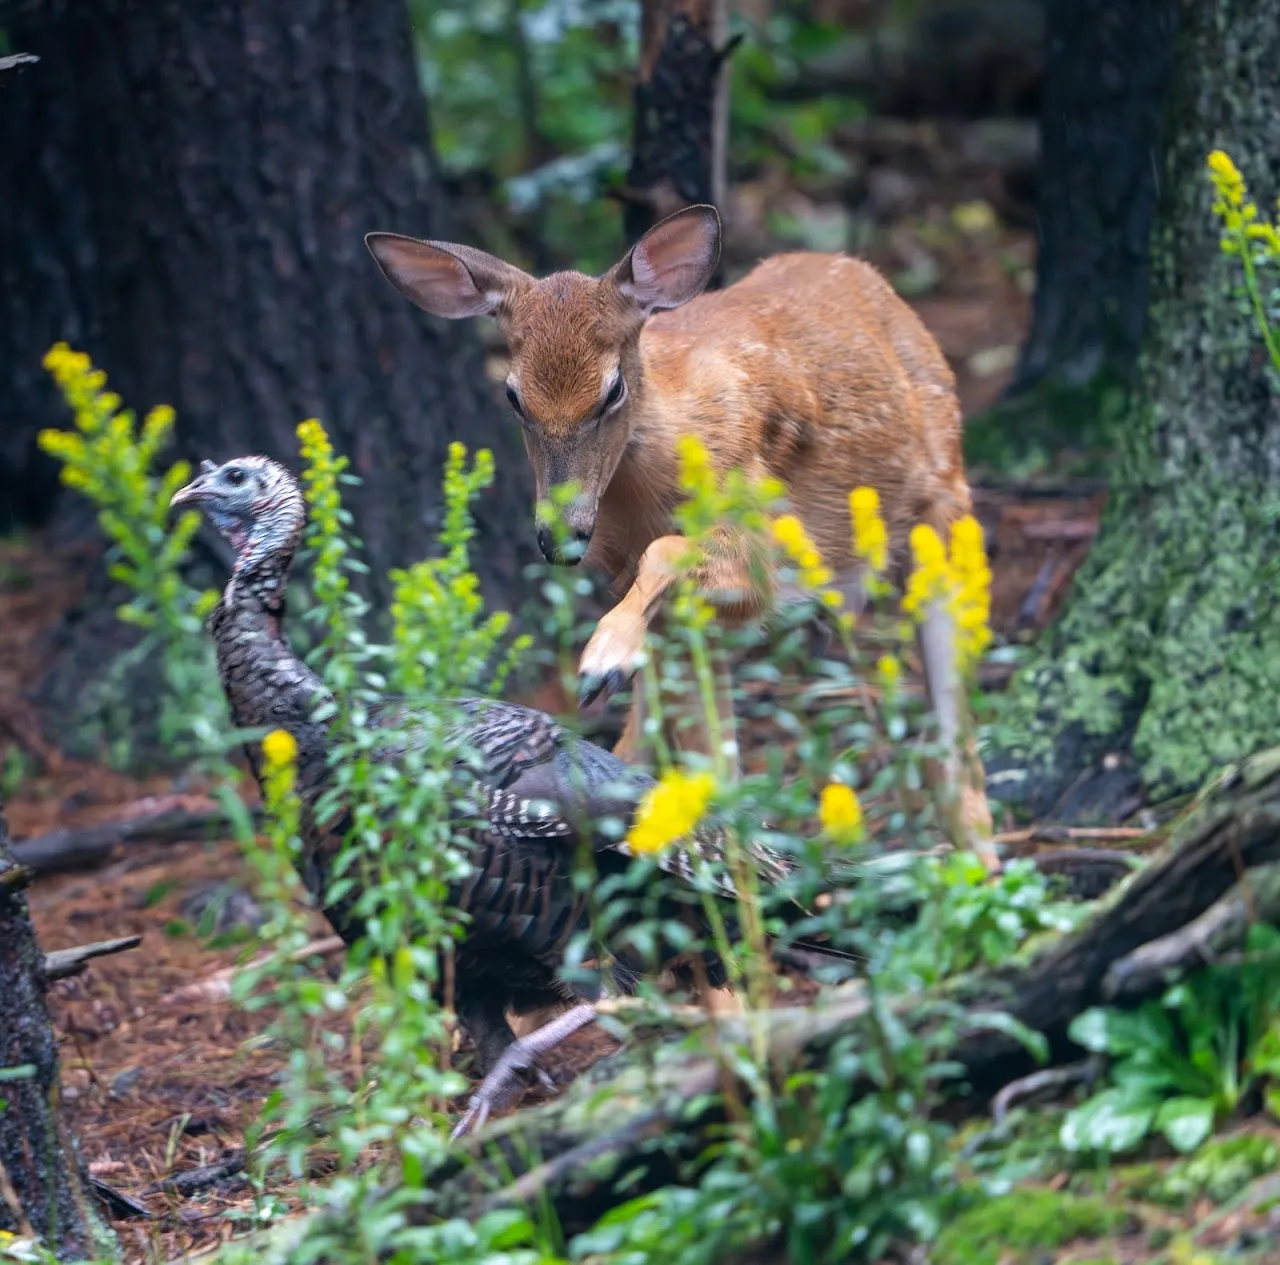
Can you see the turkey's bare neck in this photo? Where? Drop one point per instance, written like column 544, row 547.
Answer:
column 265, row 682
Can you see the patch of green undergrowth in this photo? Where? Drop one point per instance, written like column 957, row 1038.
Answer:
column 1186, row 1062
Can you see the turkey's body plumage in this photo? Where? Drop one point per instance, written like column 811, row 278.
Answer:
column 540, row 795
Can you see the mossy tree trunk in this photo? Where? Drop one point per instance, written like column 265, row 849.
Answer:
column 42, row 1186
column 187, row 188
column 1167, row 661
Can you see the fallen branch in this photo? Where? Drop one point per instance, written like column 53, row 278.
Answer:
column 216, row 988
column 63, row 963
column 1067, row 530
column 193, row 1180
column 1061, row 834
column 163, row 819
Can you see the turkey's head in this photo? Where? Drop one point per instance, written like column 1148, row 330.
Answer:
column 253, row 502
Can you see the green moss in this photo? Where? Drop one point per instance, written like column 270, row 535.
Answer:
column 1171, row 642
column 1010, row 1226
column 1218, row 1171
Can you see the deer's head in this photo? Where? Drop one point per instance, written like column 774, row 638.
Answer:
column 573, row 341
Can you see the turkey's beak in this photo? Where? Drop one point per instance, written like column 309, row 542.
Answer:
column 194, row 492
column 190, row 495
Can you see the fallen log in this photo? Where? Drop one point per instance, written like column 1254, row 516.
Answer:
column 164, row 819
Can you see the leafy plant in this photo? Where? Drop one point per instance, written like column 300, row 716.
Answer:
column 109, row 458
column 1184, row 1062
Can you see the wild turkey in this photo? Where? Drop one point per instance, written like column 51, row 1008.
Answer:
column 539, row 792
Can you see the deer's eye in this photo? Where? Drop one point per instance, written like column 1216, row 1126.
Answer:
column 616, row 392
column 514, row 400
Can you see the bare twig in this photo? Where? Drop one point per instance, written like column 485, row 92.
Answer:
column 1064, row 529
column 1063, row 834
column 1049, row 1078
column 217, row 987
column 63, row 963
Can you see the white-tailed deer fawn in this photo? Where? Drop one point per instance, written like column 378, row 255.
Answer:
column 810, row 368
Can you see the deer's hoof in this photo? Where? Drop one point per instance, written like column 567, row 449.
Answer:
column 602, row 685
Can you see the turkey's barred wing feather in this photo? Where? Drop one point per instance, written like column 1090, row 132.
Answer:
column 541, row 781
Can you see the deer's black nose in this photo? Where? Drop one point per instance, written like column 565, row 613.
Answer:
column 563, row 557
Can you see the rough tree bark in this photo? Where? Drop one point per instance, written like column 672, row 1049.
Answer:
column 187, row 190
column 43, row 1190
column 1167, row 659
column 681, row 112
column 1107, row 69
column 1107, row 65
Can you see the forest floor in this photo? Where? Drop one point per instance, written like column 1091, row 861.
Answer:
column 162, row 1072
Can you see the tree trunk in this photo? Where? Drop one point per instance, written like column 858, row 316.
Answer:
column 681, row 112
column 1167, row 661
column 42, row 1186
column 1106, row 79
column 187, row 191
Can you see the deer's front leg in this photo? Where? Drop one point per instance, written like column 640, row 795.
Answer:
column 616, row 647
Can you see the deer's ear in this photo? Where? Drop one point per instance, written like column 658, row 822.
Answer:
column 444, row 279
column 673, row 262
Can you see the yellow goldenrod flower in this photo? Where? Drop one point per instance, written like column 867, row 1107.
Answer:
column 840, row 813
column 971, row 603
column 961, row 582
column 890, row 670
column 279, row 748
column 930, row 580
column 1226, row 178
column 789, row 532
column 870, row 536
column 696, row 475
column 670, row 810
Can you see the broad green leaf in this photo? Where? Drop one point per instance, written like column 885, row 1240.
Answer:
column 1186, row 1122
column 1108, row 1031
column 1112, row 1121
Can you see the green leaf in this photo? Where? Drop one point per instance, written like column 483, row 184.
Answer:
column 1186, row 1122
column 999, row 1021
column 1112, row 1121
column 1107, row 1031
